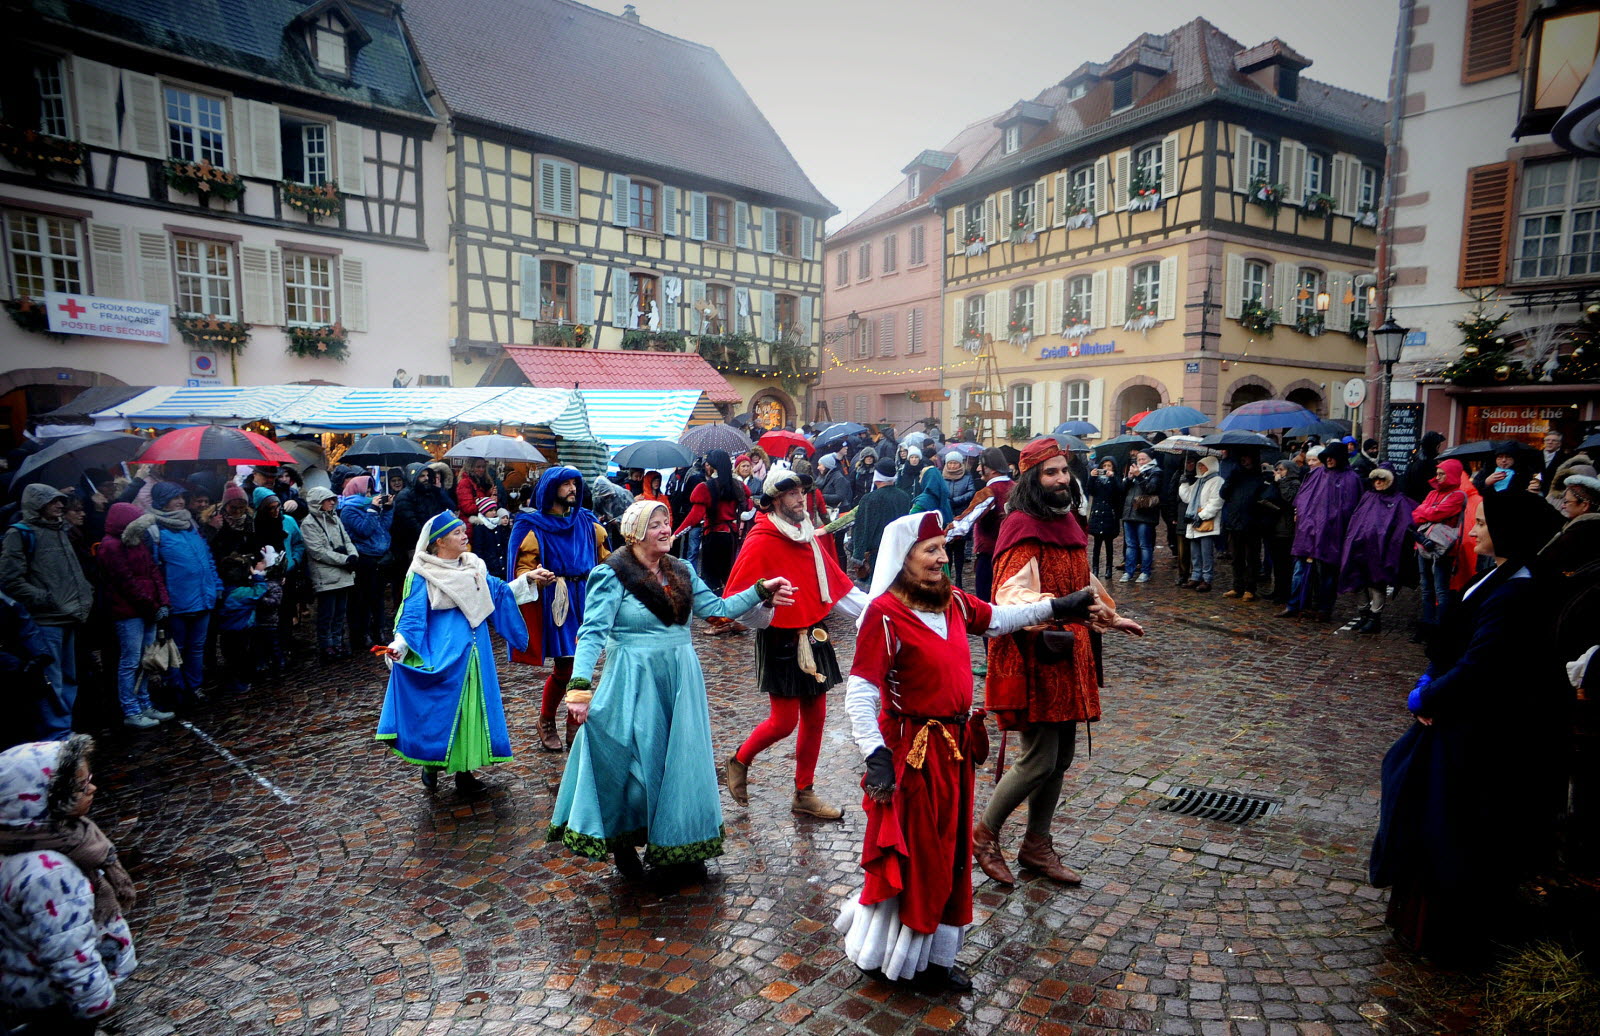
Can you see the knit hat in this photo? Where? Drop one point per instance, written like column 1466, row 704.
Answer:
column 233, row 491
column 1314, row 452
column 884, row 470
column 1588, row 482
column 163, row 493
column 828, row 461
column 486, row 505
column 442, row 523
column 1037, row 452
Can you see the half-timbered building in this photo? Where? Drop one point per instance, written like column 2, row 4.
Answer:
column 248, row 179
column 1164, row 227
column 613, row 187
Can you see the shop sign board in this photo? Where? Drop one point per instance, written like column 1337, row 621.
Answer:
column 125, row 319
column 1517, row 422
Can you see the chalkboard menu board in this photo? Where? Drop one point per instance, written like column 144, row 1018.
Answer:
column 1402, row 430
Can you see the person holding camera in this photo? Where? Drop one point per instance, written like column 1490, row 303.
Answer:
column 367, row 520
column 331, row 556
column 1141, row 512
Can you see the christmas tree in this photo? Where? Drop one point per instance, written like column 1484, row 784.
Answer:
column 1485, row 354
column 1583, row 362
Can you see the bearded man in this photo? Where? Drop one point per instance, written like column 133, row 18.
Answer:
column 795, row 662
column 910, row 703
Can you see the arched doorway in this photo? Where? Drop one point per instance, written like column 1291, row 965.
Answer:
column 1135, row 399
column 1309, row 398
column 28, row 392
column 1247, row 394
column 771, row 409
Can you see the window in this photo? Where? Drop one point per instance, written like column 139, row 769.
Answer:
column 46, row 254
column 964, row 399
column 1121, row 92
column 1558, row 219
column 1076, row 399
column 205, row 277
column 720, row 296
column 975, row 314
column 644, row 296
column 51, row 85
column 1082, row 189
column 719, row 225
column 914, row 184
column 861, row 410
column 1288, row 83
column 195, row 127
column 916, row 248
column 558, row 190
column 1307, row 283
column 1147, row 285
column 785, row 314
column 1077, row 90
column 1021, row 310
column 1013, row 138
column 866, row 339
column 1260, row 159
column 1315, row 181
column 886, row 334
column 1369, row 187
column 1022, row 206
column 843, row 276
column 788, row 234
column 305, row 151
column 1080, row 298
column 864, row 261
column 329, row 48
column 890, row 246
column 1147, row 163
column 642, row 205
column 1255, row 282
column 308, row 289
column 974, row 222
column 914, row 331
column 555, row 291
column 1358, row 306
column 1022, row 405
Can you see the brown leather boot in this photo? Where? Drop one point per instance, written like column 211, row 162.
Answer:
column 806, row 801
column 986, row 853
column 549, row 740
column 738, row 780
column 1039, row 853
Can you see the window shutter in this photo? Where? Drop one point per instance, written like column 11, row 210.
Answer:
column 808, row 237
column 621, row 215
column 1003, row 207
column 1244, row 141
column 1097, row 402
column 530, row 288
column 1170, row 180
column 670, row 304
column 1492, row 39
column 1002, row 312
column 1063, row 197
column 1058, row 303
column 549, row 190
column 1486, row 230
column 94, row 87
column 1284, row 276
column 1042, row 307
column 669, row 208
column 566, row 190
column 352, row 157
column 1124, row 176
column 1041, row 206
column 144, row 127
column 1336, row 185
column 807, row 309
column 1292, row 169
column 886, row 326
column 1352, row 185
column 264, row 145
column 1233, row 286
column 623, row 312
column 1117, row 301
column 1097, row 299
column 769, row 230
column 1338, row 317
column 738, row 321
column 108, row 254
column 1102, row 186
column 155, row 266
column 353, row 293
column 697, row 296
column 584, row 306
column 960, row 214
column 769, row 314
column 698, row 216
column 1167, row 305
column 262, row 289
column 741, row 224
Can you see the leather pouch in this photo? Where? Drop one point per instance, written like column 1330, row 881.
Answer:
column 1056, row 645
column 977, row 738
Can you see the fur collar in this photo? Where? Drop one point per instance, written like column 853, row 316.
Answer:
column 670, row 603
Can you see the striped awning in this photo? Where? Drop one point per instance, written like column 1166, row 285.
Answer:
column 166, row 407
column 619, row 417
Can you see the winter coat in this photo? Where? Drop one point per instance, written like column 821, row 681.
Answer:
column 1576, row 464
column 330, row 553
column 188, row 568
column 469, row 491
column 294, row 548
column 39, row 568
column 1202, row 500
column 1105, row 504
column 962, row 490
column 838, row 491
column 414, row 507
column 1145, row 482
column 134, row 587
column 239, row 605
column 1242, row 493
column 1285, row 490
column 1375, row 540
column 368, row 525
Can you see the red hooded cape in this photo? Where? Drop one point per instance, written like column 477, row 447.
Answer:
column 767, row 554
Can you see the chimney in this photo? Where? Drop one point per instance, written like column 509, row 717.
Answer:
column 630, row 14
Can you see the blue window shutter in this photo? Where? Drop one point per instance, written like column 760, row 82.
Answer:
column 530, row 288
column 769, row 230
column 670, row 305
column 621, row 214
column 741, row 224
column 808, row 234
column 741, row 311
column 549, row 188
column 806, row 302
column 669, row 206
column 769, row 315
column 584, row 307
column 697, row 295
column 697, row 215
column 623, row 312
column 567, row 190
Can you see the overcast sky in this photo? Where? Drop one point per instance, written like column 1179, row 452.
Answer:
column 857, row 88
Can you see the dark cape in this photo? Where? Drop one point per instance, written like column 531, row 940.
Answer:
column 1375, row 543
column 873, row 514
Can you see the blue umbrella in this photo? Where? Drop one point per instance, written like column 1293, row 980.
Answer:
column 835, row 433
column 1075, row 428
column 1165, row 419
column 1322, row 428
column 1266, row 415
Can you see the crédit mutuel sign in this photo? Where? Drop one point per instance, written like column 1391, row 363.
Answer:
column 1072, row 350
column 126, row 319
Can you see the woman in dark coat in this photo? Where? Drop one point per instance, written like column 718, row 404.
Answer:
column 1105, row 514
column 1472, row 790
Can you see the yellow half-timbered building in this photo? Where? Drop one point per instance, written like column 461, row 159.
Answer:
column 1191, row 222
column 613, row 187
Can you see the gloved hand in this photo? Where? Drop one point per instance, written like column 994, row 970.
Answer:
column 879, row 779
column 162, row 613
column 291, row 506
column 350, row 560
column 1414, row 699
column 1072, row 606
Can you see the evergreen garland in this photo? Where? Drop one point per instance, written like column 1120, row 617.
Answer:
column 1485, row 354
column 1583, row 362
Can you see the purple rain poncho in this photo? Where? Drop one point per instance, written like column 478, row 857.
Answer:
column 1323, row 507
column 1375, row 540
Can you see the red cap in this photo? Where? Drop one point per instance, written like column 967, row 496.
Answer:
column 1038, row 451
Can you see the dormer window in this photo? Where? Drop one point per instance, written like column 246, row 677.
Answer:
column 332, row 35
column 1121, row 92
column 1013, row 139
column 914, row 184
column 1077, row 90
column 329, row 46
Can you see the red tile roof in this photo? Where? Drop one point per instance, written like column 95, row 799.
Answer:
column 554, row 366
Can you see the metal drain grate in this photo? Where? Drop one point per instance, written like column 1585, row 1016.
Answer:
column 1226, row 806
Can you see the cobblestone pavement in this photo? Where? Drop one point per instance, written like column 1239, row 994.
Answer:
column 331, row 895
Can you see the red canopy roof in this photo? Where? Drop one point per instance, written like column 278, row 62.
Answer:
column 554, row 366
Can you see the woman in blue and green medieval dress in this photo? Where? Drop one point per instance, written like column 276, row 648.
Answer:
column 642, row 770
column 442, row 709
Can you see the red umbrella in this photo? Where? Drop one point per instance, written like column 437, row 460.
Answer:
column 779, row 443
column 211, row 442
column 1135, row 419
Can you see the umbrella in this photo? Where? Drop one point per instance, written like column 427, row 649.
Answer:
column 1265, row 414
column 1011, row 454
column 1323, row 428
column 65, row 460
column 834, row 433
column 385, row 450
column 1166, row 418
column 1483, row 448
column 1235, row 438
column 742, row 421
column 654, row 453
column 214, row 443
column 1119, row 447
column 703, row 438
column 1070, row 443
column 1135, row 419
column 1184, row 444
column 1591, row 443
column 914, row 439
column 1075, row 428
column 965, row 449
column 497, row 447
column 779, row 443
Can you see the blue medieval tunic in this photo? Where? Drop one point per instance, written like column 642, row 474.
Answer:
column 442, row 706
column 642, row 770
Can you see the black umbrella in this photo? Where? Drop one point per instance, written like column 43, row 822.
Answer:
column 831, row 436
column 741, row 420
column 1323, row 428
column 1591, row 443
column 385, row 450
column 1069, row 442
column 64, row 461
column 1236, row 438
column 1119, row 448
column 654, row 453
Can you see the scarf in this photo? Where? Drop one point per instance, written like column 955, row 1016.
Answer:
column 669, row 603
column 805, row 532
column 81, row 841
column 178, row 521
column 462, row 584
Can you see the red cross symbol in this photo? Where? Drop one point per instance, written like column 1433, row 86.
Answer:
column 72, row 309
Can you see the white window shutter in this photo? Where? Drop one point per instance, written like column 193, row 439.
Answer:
column 1098, row 299
column 1292, row 169
column 144, row 123
column 529, row 308
column 1102, row 186
column 1058, row 303
column 1003, row 203
column 1336, row 184
column 1117, row 301
column 1350, row 196
column 769, row 315
column 275, row 285
column 1063, row 198
column 350, row 140
column 1041, row 207
column 567, row 190
column 353, row 293
column 1244, row 141
column 697, row 296
column 808, row 237
column 1167, row 305
column 991, row 220
column 769, row 230
column 1041, row 308
column 741, row 224
column 1097, row 402
column 108, row 256
column 155, row 266
column 669, row 312
column 1283, row 289
column 1170, row 181
column 1002, row 312
column 1233, row 286
column 621, row 214
column 698, row 216
column 583, row 307
column 262, row 147
column 1124, row 177
column 623, row 311
column 1338, row 316
column 255, row 272
column 736, row 320
column 549, row 191
column 807, row 308
column 95, row 88
column 669, row 208
column 960, row 215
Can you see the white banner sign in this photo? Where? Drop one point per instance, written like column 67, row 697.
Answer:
column 106, row 318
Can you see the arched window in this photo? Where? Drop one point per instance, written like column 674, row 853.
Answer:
column 1080, row 300
column 1255, row 282
column 1308, row 283
column 1247, row 394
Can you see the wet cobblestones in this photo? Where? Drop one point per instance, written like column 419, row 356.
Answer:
column 364, row 906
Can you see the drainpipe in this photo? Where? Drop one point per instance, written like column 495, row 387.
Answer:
column 1375, row 315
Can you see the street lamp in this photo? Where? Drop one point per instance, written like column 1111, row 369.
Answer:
column 1388, row 337
column 852, row 325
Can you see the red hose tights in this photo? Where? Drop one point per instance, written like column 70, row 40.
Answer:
column 809, row 714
